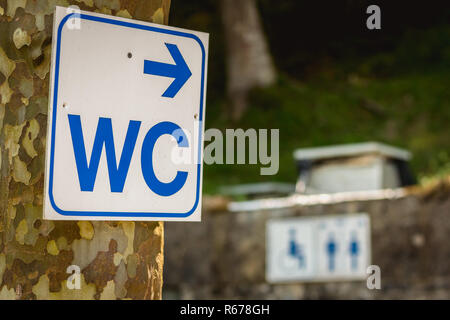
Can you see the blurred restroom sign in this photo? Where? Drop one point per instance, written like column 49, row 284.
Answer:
column 125, row 124
column 318, row 248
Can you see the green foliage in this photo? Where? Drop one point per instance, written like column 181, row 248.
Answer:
column 409, row 108
column 337, row 83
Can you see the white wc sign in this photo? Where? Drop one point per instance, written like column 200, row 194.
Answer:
column 125, row 122
column 327, row 248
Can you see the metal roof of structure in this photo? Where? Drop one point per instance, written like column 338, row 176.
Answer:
column 353, row 149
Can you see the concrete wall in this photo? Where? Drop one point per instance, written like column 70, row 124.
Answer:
column 224, row 256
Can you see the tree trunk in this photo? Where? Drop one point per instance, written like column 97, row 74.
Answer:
column 249, row 63
column 116, row 259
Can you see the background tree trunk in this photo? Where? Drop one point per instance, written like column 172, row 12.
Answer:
column 117, row 259
column 249, row 63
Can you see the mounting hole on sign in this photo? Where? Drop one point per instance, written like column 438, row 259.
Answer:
column 195, row 116
column 129, row 55
column 64, row 105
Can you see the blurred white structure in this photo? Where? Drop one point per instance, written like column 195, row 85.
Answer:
column 259, row 190
column 352, row 167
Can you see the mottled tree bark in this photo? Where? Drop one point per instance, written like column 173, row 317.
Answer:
column 249, row 63
column 117, row 259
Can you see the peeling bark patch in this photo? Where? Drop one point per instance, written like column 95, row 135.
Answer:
column 12, row 6
column 31, row 133
column 104, row 11
column 86, row 229
column 42, row 291
column 42, row 63
column 158, row 16
column 5, row 92
column 21, row 38
column 124, row 14
column 110, row 4
column 69, row 231
column 21, row 231
column 119, row 280
column 89, row 3
column 6, row 294
column 52, row 248
column 85, row 250
column 108, row 292
column 2, row 267
column 7, row 65
column 132, row 263
column 12, row 136
column 148, row 272
column 20, row 172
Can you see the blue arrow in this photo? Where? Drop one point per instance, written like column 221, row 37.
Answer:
column 180, row 71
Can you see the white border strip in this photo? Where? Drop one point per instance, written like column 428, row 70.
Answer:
column 314, row 199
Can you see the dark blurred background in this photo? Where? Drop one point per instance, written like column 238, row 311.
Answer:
column 335, row 80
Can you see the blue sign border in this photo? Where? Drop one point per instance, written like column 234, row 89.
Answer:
column 55, row 102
